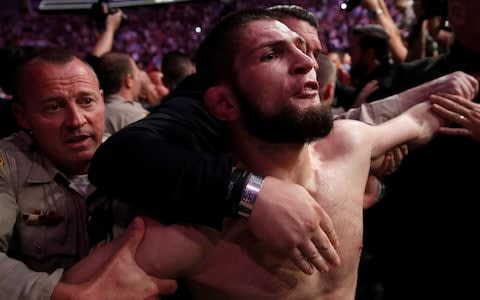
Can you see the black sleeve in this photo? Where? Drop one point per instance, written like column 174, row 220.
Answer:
column 171, row 165
column 345, row 95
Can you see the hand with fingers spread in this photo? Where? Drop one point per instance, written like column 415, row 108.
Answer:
column 120, row 277
column 291, row 222
column 389, row 163
column 460, row 111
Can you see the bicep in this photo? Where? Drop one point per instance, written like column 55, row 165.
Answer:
column 388, row 135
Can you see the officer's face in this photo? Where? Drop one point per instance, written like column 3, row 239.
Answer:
column 63, row 108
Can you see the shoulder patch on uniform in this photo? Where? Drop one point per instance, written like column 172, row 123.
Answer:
column 2, row 161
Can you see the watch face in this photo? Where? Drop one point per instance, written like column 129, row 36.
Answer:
column 374, row 13
column 249, row 195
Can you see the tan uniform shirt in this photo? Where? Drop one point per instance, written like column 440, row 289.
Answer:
column 120, row 112
column 43, row 220
column 375, row 112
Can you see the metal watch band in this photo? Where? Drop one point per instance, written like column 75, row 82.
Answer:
column 249, row 195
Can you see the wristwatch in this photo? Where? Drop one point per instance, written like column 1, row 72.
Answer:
column 249, row 195
column 373, row 14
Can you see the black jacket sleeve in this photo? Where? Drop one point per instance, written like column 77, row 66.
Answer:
column 171, row 165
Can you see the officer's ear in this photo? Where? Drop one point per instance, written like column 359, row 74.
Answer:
column 21, row 115
column 220, row 102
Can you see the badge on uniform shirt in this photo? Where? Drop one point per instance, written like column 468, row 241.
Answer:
column 2, row 161
column 41, row 217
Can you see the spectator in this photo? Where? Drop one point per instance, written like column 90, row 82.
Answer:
column 438, row 185
column 371, row 62
column 120, row 79
column 148, row 96
column 156, row 77
column 175, row 67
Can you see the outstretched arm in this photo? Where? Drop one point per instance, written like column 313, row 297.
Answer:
column 416, row 126
column 382, row 110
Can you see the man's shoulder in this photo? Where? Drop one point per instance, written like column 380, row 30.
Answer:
column 16, row 153
column 346, row 132
column 15, row 142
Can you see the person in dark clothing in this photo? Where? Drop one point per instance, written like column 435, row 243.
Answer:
column 371, row 61
column 430, row 199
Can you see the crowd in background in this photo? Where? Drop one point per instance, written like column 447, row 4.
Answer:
column 156, row 29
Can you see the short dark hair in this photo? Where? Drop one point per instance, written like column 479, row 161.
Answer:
column 176, row 65
column 113, row 67
column 217, row 50
column 295, row 11
column 373, row 36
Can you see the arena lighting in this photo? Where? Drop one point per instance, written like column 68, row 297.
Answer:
column 70, row 5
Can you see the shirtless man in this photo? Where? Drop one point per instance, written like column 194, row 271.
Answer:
column 264, row 87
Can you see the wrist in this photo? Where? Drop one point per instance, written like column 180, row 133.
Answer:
column 243, row 189
column 375, row 13
column 249, row 195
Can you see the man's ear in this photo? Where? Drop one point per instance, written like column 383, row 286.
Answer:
column 20, row 116
column 219, row 102
column 329, row 92
column 128, row 81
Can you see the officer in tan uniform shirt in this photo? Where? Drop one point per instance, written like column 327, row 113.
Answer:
column 47, row 204
column 43, row 213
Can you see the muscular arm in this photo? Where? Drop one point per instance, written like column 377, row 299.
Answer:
column 417, row 125
column 164, row 251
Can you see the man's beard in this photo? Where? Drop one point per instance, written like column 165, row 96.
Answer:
column 287, row 125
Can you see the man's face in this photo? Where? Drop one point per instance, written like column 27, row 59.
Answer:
column 358, row 65
column 276, row 85
column 63, row 107
column 148, row 93
column 137, row 80
column 157, row 79
column 309, row 33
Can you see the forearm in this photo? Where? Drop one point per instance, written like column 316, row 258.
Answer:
column 384, row 19
column 104, row 43
column 19, row 282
